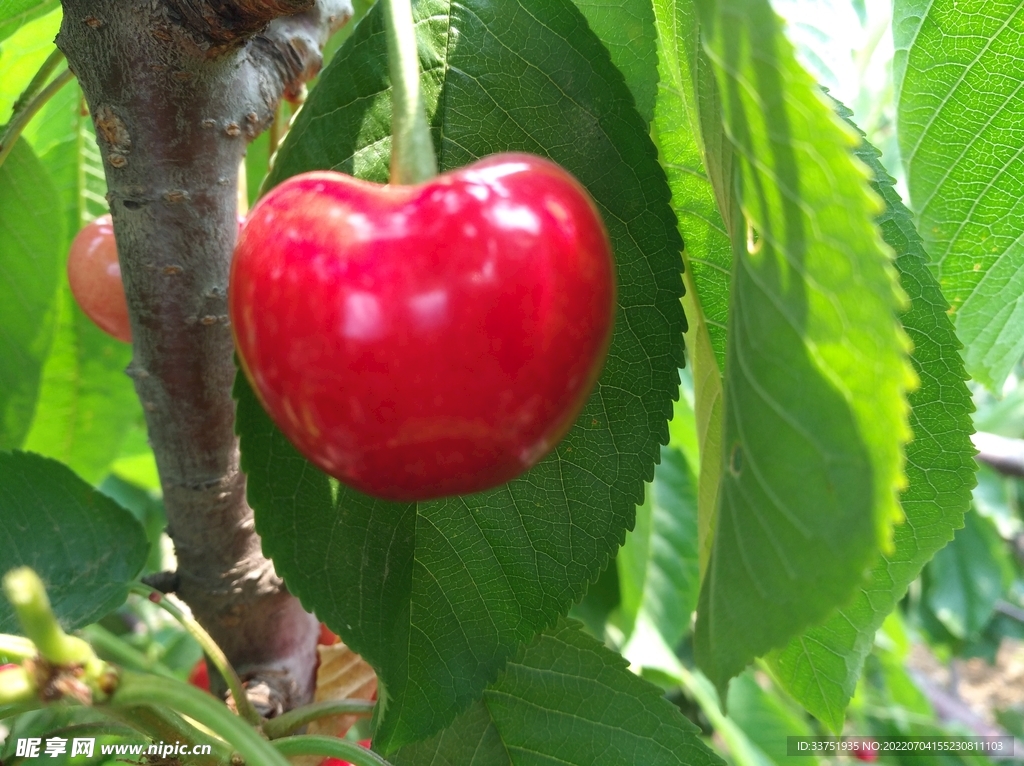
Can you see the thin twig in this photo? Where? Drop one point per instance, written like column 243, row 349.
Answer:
column 1001, row 453
column 1010, row 610
column 38, row 80
column 155, row 692
column 210, row 648
column 23, row 117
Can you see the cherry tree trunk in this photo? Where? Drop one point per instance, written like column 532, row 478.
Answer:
column 176, row 88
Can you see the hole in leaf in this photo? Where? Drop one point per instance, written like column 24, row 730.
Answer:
column 736, row 459
column 753, row 240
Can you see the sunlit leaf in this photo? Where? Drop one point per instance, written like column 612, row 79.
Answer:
column 32, row 232
column 626, row 27
column 86, row 403
column 816, row 369
column 961, row 128
column 708, row 251
column 821, row 667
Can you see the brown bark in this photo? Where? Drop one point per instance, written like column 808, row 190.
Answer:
column 173, row 111
column 224, row 22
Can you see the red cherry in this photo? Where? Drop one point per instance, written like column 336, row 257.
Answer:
column 431, row 340
column 338, row 762
column 200, row 676
column 327, row 636
column 95, row 278
column 867, row 750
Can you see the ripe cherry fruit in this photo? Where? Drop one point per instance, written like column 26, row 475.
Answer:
column 866, row 750
column 430, row 340
column 199, row 676
column 95, row 278
column 338, row 762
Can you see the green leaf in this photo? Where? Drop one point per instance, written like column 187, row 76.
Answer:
column 995, row 498
column 32, row 233
column 86, row 403
column 22, row 54
column 15, row 13
column 684, row 71
column 567, row 700
column 84, row 546
column 626, row 27
column 961, row 128
column 659, row 577
column 816, row 367
column 437, row 596
column 677, row 119
column 767, row 720
column 136, row 463
column 257, row 160
column 651, row 653
column 65, row 142
column 968, row 577
column 821, row 667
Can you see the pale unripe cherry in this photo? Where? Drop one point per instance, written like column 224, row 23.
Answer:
column 95, row 278
column 94, row 274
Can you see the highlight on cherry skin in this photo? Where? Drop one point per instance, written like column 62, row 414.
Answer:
column 94, row 275
column 423, row 341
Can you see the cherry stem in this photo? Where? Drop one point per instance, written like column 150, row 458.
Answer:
column 294, row 719
column 412, row 150
column 332, row 747
column 213, row 652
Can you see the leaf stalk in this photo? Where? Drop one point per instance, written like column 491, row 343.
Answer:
column 213, row 652
column 300, row 716
column 157, row 692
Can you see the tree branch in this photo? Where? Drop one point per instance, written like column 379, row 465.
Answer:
column 172, row 120
column 999, row 452
column 226, row 22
